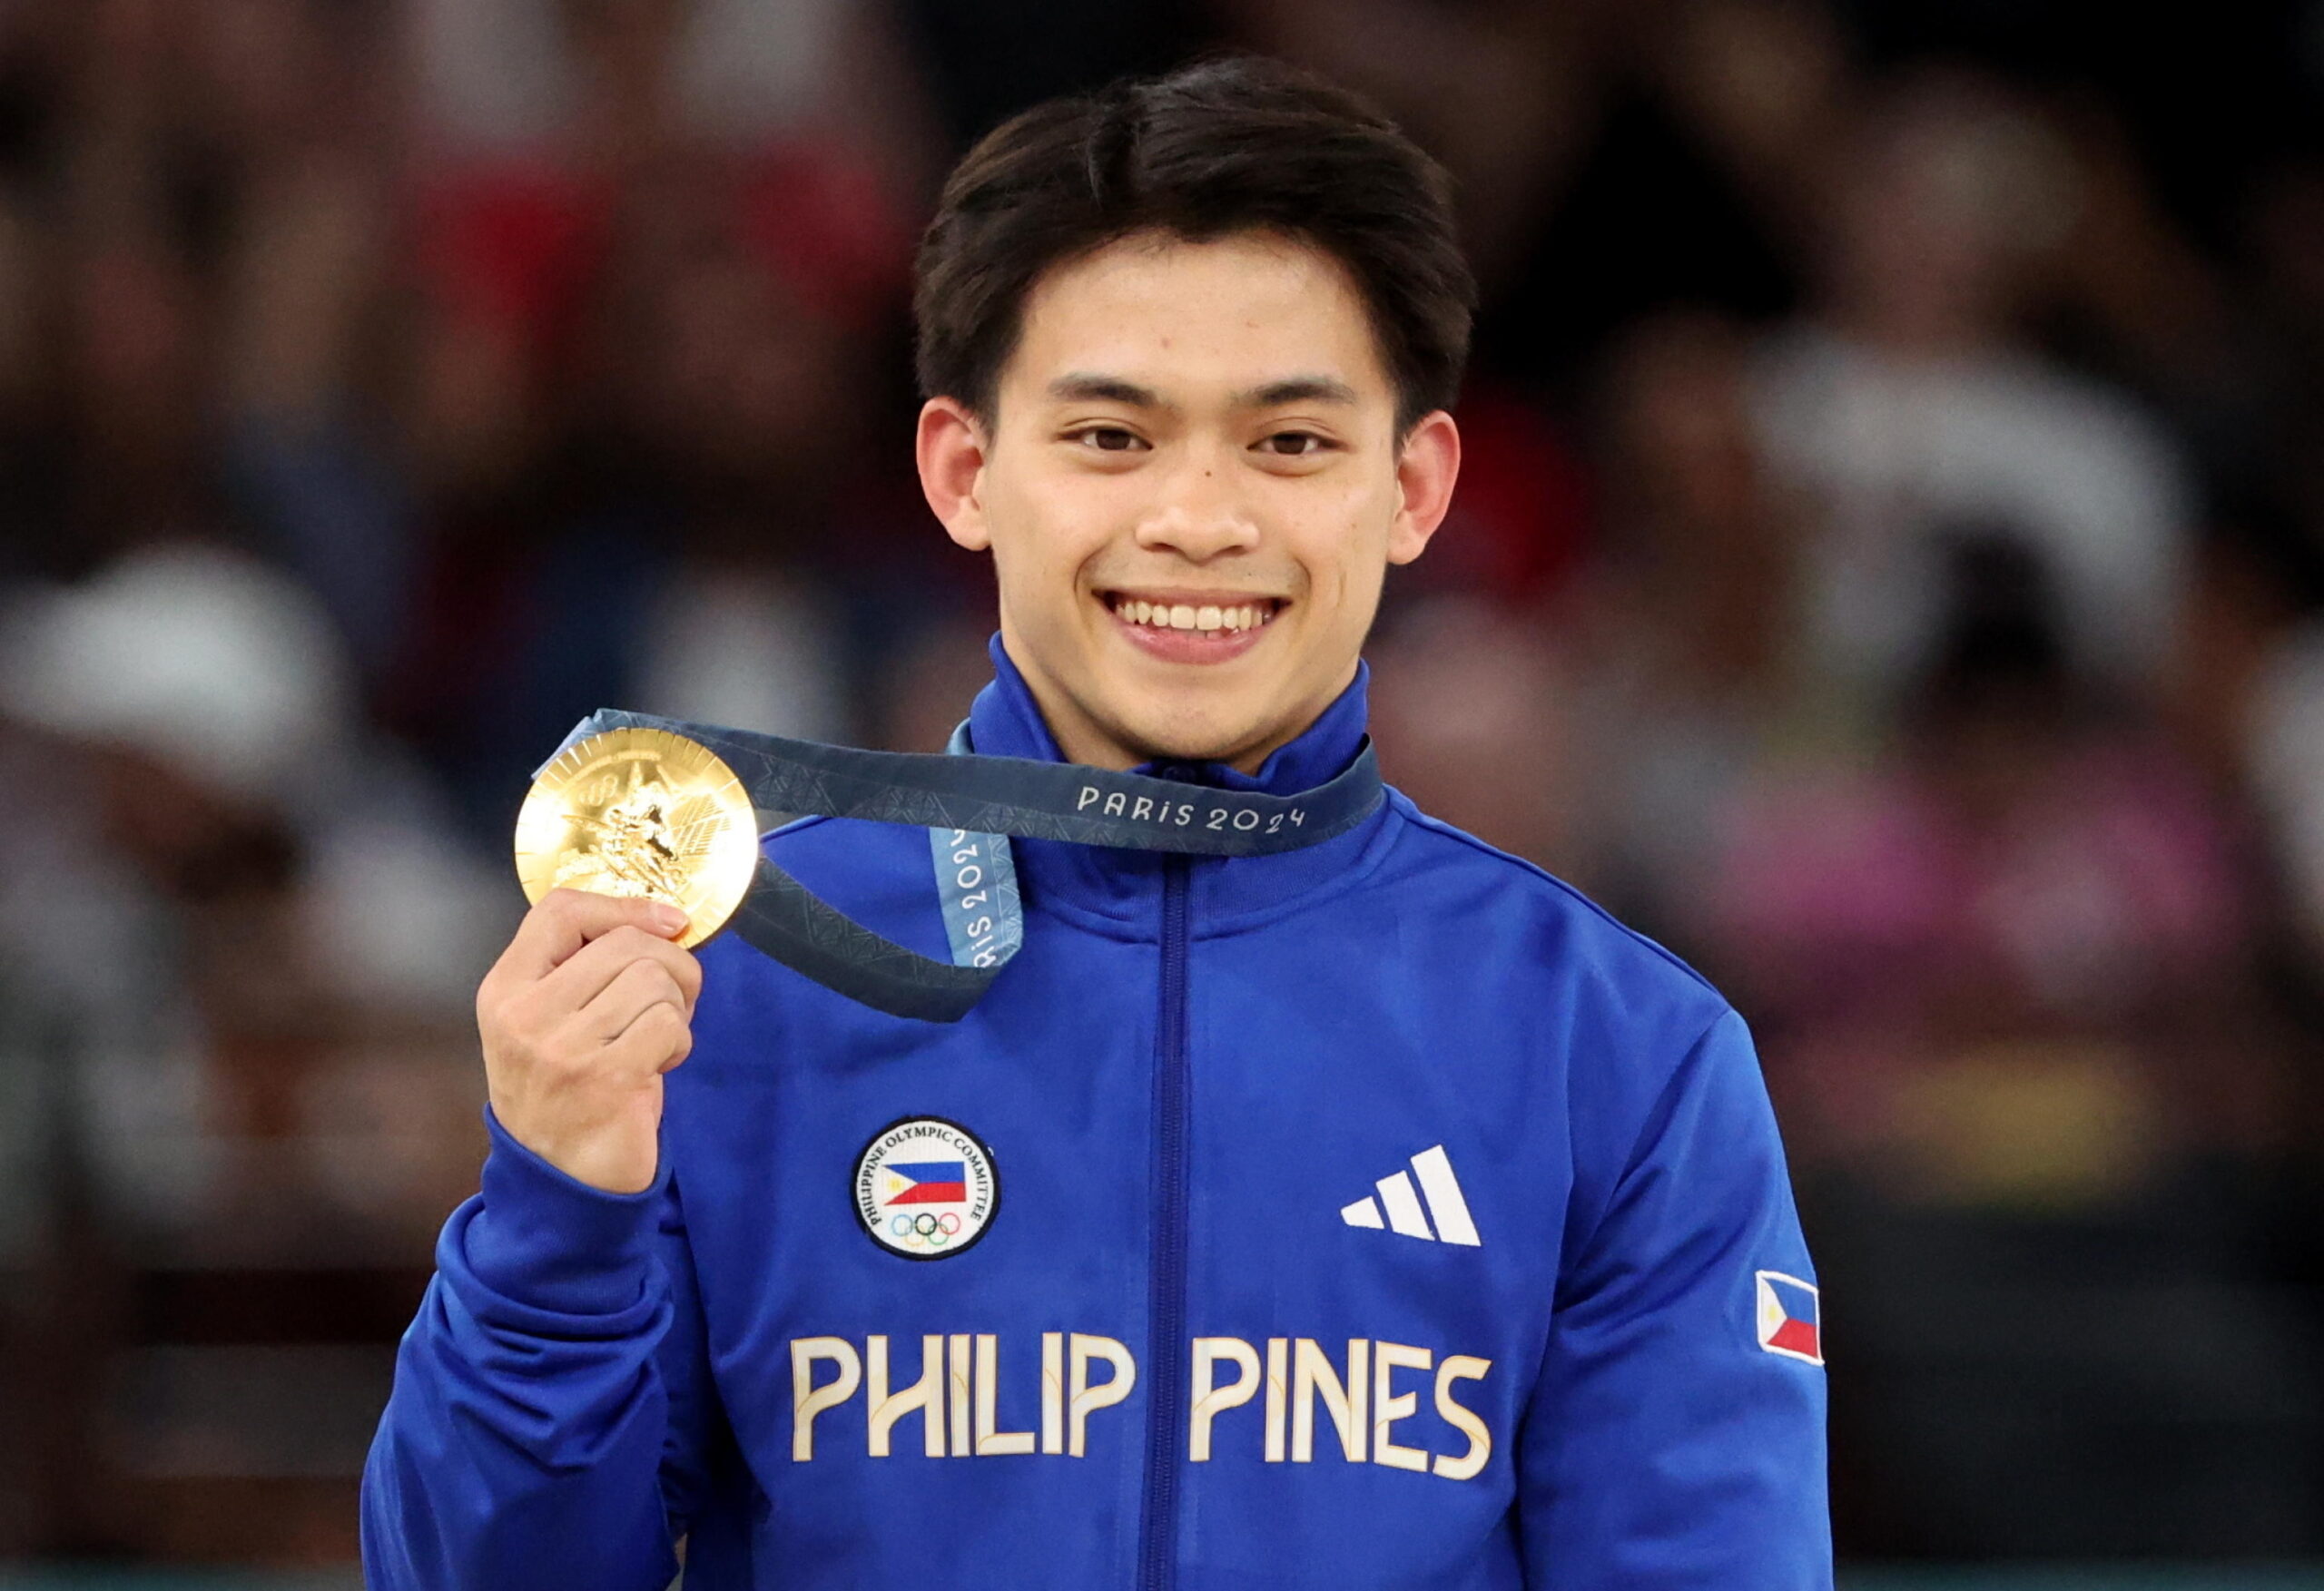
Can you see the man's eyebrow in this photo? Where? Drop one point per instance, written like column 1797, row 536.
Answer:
column 1089, row 389
column 1296, row 389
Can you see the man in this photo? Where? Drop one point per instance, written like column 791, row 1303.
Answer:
column 1372, row 1213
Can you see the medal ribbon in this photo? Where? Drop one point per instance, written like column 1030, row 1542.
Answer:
column 970, row 805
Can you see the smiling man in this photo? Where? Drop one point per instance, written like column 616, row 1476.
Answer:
column 1191, row 472
column 1372, row 1212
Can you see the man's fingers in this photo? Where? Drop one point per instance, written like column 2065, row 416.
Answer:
column 638, row 987
column 589, row 971
column 656, row 1041
column 567, row 919
column 581, row 1086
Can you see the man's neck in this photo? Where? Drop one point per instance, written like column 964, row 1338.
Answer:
column 1080, row 739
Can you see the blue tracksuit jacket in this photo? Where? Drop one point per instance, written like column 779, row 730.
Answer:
column 1378, row 1215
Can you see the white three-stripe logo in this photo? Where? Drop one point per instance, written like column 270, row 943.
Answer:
column 1438, row 1186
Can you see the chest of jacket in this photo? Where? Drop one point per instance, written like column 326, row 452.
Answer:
column 1258, row 1223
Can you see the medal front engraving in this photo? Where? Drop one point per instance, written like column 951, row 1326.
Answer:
column 641, row 812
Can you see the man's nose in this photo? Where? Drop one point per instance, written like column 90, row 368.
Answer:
column 1200, row 515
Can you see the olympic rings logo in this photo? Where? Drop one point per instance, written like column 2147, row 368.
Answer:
column 931, row 1230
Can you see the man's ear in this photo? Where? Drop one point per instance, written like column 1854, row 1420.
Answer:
column 1426, row 467
column 951, row 450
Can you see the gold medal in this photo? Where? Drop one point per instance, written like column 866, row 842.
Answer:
column 641, row 812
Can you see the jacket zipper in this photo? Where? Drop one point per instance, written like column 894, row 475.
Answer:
column 1166, row 1302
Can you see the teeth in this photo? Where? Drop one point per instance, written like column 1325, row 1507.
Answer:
column 1208, row 619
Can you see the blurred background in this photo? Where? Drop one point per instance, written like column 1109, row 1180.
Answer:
column 1889, row 568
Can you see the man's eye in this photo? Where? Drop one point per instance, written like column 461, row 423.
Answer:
column 1298, row 440
column 1109, row 438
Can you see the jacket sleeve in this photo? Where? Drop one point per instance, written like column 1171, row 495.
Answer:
column 1664, row 1447
column 552, row 1422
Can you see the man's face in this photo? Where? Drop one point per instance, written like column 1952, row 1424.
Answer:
column 1192, row 491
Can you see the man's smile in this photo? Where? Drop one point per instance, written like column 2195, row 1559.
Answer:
column 1187, row 625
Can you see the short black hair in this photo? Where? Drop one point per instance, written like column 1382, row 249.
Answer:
column 1225, row 145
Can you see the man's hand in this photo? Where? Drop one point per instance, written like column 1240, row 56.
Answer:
column 583, row 1013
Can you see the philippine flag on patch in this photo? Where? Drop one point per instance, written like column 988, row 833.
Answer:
column 1789, row 1321
column 928, row 1182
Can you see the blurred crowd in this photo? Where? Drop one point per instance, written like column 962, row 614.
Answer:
column 1889, row 568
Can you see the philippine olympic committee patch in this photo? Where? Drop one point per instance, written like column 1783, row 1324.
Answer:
column 925, row 1188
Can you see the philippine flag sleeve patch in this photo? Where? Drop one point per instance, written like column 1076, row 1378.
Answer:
column 1790, row 1323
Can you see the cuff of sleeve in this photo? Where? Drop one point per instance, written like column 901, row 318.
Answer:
column 544, row 1238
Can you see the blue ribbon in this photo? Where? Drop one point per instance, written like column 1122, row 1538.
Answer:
column 970, row 805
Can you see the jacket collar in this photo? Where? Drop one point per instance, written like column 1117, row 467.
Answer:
column 1005, row 722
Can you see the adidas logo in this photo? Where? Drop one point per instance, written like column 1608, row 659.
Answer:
column 1438, row 1186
